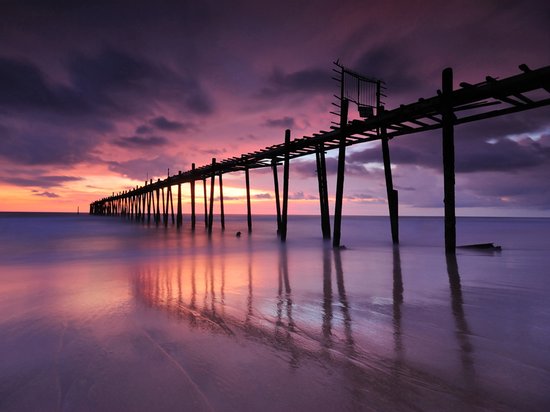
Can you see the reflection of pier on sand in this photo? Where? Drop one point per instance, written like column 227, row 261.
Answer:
column 265, row 299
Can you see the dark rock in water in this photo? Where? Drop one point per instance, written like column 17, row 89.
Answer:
column 482, row 246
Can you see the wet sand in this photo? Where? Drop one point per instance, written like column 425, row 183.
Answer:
column 101, row 314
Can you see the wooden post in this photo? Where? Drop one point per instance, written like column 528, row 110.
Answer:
column 144, row 200
column 149, row 196
column 276, row 189
column 212, row 183
column 393, row 205
column 157, row 219
column 341, row 173
column 205, row 203
column 165, row 207
column 248, row 205
column 286, row 172
column 323, row 190
column 180, row 217
column 222, row 211
column 448, row 160
column 172, row 204
column 193, row 216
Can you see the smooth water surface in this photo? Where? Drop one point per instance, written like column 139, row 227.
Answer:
column 100, row 313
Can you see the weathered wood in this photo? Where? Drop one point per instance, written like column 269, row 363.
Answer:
column 179, row 219
column 286, row 173
column 205, row 203
column 276, row 190
column 193, row 215
column 323, row 190
column 248, row 205
column 340, row 176
column 212, row 183
column 171, row 204
column 448, row 160
column 222, row 210
column 390, row 191
column 157, row 219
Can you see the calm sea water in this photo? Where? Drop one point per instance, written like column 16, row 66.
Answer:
column 99, row 313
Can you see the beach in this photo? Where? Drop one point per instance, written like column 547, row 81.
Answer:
column 101, row 313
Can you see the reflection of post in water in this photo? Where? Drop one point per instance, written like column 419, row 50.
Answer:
column 397, row 302
column 462, row 328
column 344, row 305
column 249, row 298
column 284, row 302
column 327, row 299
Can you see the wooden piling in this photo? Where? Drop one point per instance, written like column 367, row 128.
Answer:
column 157, row 218
column 193, row 215
column 179, row 219
column 447, row 120
column 276, row 190
column 323, row 190
column 165, row 207
column 248, row 205
column 341, row 173
column 393, row 205
column 222, row 211
column 171, row 204
column 205, row 203
column 212, row 183
column 286, row 173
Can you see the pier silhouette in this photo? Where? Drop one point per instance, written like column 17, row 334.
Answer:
column 450, row 107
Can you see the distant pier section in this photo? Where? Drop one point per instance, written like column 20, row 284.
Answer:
column 450, row 107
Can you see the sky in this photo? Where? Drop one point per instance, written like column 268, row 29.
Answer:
column 98, row 96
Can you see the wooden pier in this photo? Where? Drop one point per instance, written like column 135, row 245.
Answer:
column 450, row 107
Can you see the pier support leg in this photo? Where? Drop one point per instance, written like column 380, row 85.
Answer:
column 172, row 204
column 179, row 219
column 276, row 189
column 392, row 194
column 212, row 183
column 165, row 207
column 222, row 211
column 323, row 190
column 341, row 173
column 248, row 205
column 205, row 203
column 286, row 173
column 193, row 215
column 149, row 196
column 448, row 161
column 157, row 219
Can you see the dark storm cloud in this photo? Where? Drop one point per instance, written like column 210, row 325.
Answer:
column 263, row 196
column 302, row 196
column 286, row 122
column 39, row 180
column 46, row 194
column 471, row 156
column 306, row 81
column 124, row 82
column 46, row 148
column 113, row 82
column 162, row 123
column 392, row 64
column 140, row 142
column 165, row 125
column 143, row 129
column 24, row 87
column 143, row 168
column 308, row 168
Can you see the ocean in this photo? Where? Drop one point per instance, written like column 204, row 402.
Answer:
column 101, row 313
